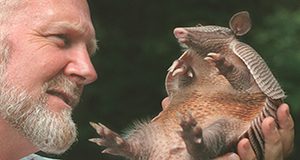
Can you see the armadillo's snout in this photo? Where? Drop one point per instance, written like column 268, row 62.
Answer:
column 181, row 34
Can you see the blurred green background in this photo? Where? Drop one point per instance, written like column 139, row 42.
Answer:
column 136, row 47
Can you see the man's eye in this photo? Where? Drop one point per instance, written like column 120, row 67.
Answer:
column 60, row 40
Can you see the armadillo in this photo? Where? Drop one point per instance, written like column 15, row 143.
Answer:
column 220, row 90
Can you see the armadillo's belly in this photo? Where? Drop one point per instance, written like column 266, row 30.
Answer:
column 166, row 144
column 234, row 114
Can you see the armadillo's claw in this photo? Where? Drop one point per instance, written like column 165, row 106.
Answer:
column 214, row 58
column 179, row 71
column 115, row 144
column 220, row 62
column 109, row 151
column 98, row 128
column 98, row 141
column 94, row 125
column 173, row 66
column 178, row 67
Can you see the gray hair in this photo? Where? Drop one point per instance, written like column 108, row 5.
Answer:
column 7, row 7
column 7, row 10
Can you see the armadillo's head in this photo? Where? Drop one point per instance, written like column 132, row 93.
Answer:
column 203, row 38
column 213, row 38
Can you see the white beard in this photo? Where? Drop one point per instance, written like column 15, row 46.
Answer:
column 51, row 132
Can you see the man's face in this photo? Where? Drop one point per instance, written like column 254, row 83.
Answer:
column 50, row 43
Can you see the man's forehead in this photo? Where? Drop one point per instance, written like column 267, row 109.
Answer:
column 72, row 16
column 78, row 22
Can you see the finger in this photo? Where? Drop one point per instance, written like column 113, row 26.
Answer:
column 286, row 129
column 273, row 145
column 245, row 150
column 165, row 102
column 228, row 156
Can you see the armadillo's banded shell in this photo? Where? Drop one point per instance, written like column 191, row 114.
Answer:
column 259, row 69
column 254, row 133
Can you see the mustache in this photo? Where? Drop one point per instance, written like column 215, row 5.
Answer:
column 64, row 88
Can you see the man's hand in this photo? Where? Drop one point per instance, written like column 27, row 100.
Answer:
column 279, row 142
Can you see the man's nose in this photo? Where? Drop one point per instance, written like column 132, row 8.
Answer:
column 80, row 68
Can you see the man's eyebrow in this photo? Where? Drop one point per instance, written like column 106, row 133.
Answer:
column 79, row 30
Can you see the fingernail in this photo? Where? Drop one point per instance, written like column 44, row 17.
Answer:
column 233, row 156
column 287, row 112
column 246, row 146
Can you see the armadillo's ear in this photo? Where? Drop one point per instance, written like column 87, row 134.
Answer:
column 240, row 23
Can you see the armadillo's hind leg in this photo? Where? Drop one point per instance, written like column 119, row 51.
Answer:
column 113, row 142
column 234, row 70
column 191, row 133
column 210, row 142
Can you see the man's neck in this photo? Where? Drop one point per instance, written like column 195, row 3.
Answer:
column 13, row 145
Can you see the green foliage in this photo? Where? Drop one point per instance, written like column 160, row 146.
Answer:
column 137, row 46
column 278, row 39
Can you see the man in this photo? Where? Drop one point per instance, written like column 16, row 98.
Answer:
column 44, row 64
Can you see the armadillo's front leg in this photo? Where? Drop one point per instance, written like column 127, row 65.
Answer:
column 179, row 74
column 115, row 144
column 238, row 75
